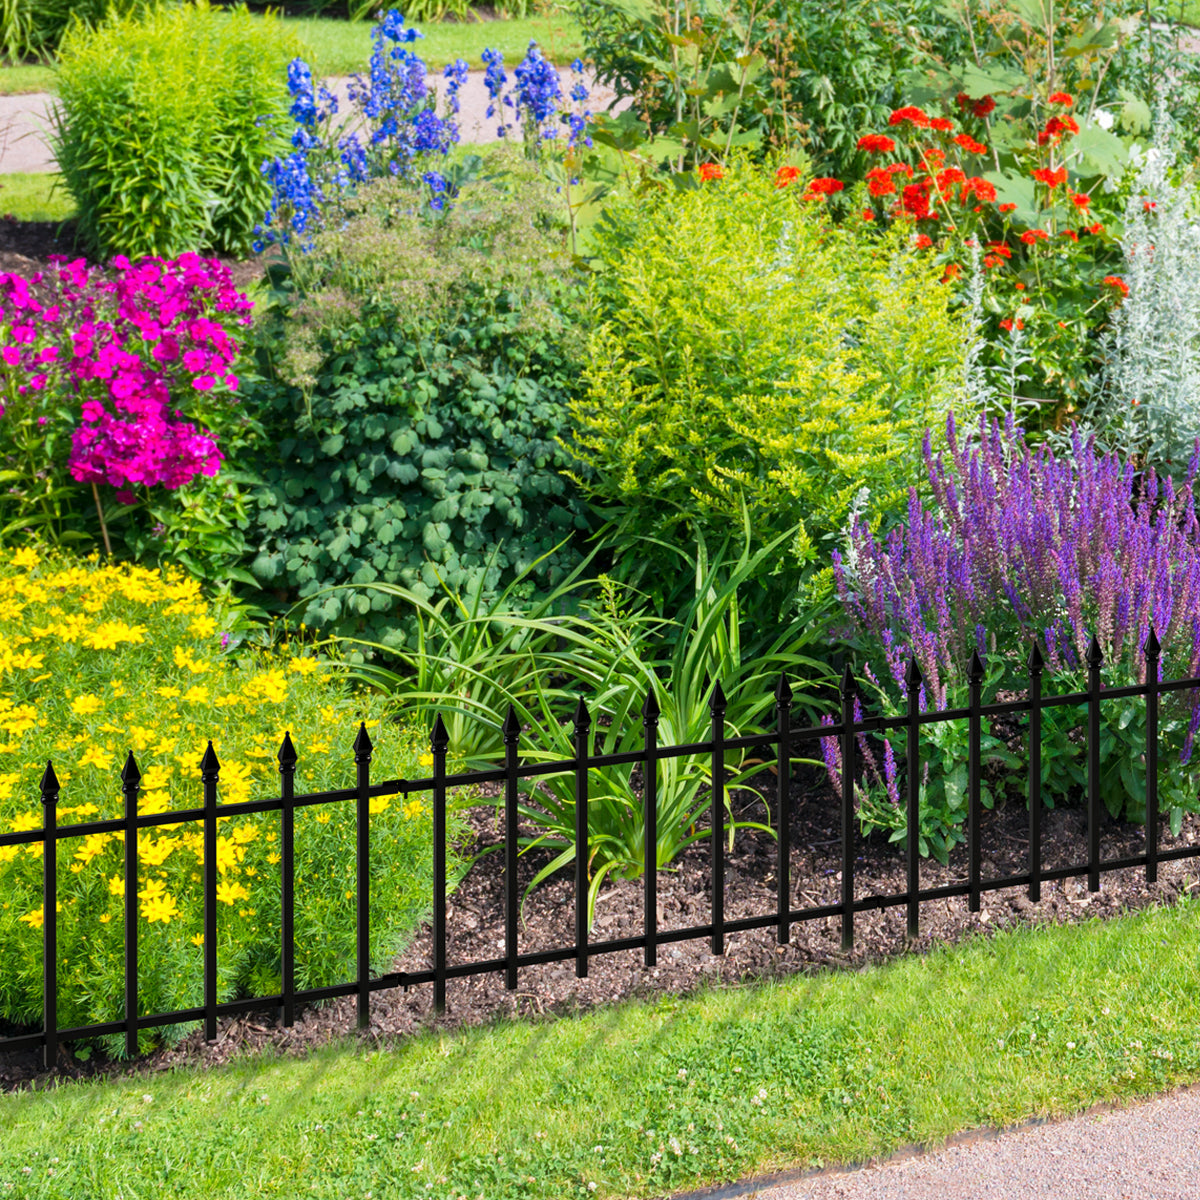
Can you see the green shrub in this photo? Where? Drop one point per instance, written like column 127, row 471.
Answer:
column 416, row 372
column 139, row 659
column 163, row 124
column 748, row 351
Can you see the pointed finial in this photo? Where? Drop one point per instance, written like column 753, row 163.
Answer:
column 512, row 726
column 783, row 692
column 650, row 710
column 50, row 785
column 912, row 674
column 1035, row 662
column 975, row 667
column 847, row 681
column 129, row 772
column 287, row 752
column 1153, row 649
column 583, row 718
column 1095, row 655
column 362, row 742
column 209, row 764
column 439, row 739
column 717, row 701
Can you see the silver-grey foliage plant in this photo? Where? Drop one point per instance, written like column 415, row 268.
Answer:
column 1148, row 402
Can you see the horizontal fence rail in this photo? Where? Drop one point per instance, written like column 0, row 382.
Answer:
column 784, row 739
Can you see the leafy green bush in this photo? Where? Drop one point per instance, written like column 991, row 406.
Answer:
column 748, row 351
column 416, row 370
column 35, row 27
column 163, row 123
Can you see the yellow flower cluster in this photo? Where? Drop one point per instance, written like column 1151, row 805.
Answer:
column 98, row 661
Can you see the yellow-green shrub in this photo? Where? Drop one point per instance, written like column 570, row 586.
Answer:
column 746, row 348
column 97, row 660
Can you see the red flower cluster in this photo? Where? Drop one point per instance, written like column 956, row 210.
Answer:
column 876, row 143
column 1051, row 179
column 710, row 171
column 980, row 188
column 786, row 175
column 825, row 187
column 970, row 145
column 1061, row 98
column 911, row 114
column 1055, row 129
column 1031, row 237
column 1117, row 284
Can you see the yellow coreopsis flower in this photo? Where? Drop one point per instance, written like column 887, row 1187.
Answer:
column 413, row 809
column 26, row 558
column 195, row 695
column 203, row 627
column 160, row 908
column 86, row 704
column 303, row 666
column 231, row 893
column 95, row 757
column 378, row 804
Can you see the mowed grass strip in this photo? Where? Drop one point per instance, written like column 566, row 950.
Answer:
column 642, row 1099
column 35, row 197
column 344, row 47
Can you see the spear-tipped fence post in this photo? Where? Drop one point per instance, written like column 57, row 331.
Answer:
column 1036, row 665
column 362, row 861
column 210, row 770
column 975, row 808
column 717, row 707
column 912, row 681
column 783, row 807
column 130, row 784
column 1095, row 658
column 438, row 742
column 50, row 790
column 512, row 734
column 1153, row 650
column 847, row 809
column 650, row 715
column 287, row 757
column 583, row 725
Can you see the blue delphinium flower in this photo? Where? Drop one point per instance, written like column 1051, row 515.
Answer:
column 439, row 187
column 577, row 121
column 538, row 93
column 494, row 78
column 455, row 75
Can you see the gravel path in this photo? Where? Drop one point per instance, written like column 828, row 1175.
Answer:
column 1144, row 1152
column 27, row 118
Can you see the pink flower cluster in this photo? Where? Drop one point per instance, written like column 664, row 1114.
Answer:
column 129, row 345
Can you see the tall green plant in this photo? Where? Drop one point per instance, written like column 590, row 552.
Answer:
column 35, row 27
column 163, row 122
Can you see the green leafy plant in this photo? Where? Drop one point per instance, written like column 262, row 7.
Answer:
column 748, row 350
column 163, row 122
column 35, row 27
column 416, row 373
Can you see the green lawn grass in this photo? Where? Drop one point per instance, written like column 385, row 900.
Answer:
column 642, row 1099
column 35, row 197
column 343, row 47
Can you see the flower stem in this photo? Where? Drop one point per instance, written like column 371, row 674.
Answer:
column 103, row 526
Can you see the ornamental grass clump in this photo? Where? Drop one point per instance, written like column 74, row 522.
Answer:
column 98, row 661
column 1019, row 545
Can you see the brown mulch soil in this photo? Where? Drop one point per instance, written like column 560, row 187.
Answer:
column 476, row 926
column 26, row 248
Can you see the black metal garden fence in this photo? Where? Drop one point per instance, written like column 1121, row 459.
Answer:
column 784, row 739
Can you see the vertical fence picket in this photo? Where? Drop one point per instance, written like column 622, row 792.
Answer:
column 438, row 742
column 512, row 734
column 130, row 781
column 650, row 714
column 583, row 725
column 1153, row 649
column 1094, row 659
column 974, row 812
column 362, row 864
column 783, row 808
column 847, row 809
column 1036, row 664
column 912, row 680
column 287, row 877
column 209, row 773
column 717, row 707
column 50, row 790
